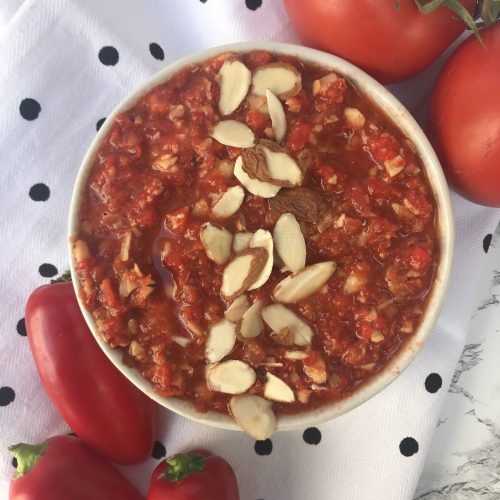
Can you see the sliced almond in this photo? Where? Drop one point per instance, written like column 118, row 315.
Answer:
column 277, row 390
column 231, row 377
column 279, row 317
column 254, row 186
column 217, row 242
column 241, row 241
column 234, row 81
column 296, row 355
column 303, row 202
column 182, row 341
column 289, row 242
column 220, row 340
column 282, row 79
column 277, row 114
column 268, row 162
column 354, row 118
column 229, row 203
column 242, row 271
column 236, row 310
column 395, row 165
column 263, row 239
column 298, row 286
column 254, row 415
column 233, row 133
column 250, row 325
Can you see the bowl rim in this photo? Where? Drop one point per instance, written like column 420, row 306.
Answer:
column 446, row 233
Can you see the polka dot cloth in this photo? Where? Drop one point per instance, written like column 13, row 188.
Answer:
column 54, row 100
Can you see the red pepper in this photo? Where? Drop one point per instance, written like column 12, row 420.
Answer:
column 101, row 406
column 198, row 475
column 63, row 468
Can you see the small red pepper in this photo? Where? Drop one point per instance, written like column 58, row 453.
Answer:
column 64, row 468
column 198, row 475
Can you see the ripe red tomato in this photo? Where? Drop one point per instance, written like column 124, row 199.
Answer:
column 63, row 468
column 464, row 118
column 391, row 44
column 198, row 475
column 101, row 406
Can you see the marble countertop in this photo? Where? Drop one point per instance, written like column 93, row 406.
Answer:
column 464, row 459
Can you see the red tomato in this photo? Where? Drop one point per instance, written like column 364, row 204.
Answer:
column 102, row 407
column 464, row 118
column 391, row 44
column 63, row 468
column 198, row 475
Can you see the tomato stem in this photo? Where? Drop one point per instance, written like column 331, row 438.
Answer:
column 27, row 456
column 183, row 465
column 490, row 9
column 65, row 276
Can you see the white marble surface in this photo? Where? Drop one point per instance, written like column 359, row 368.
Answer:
column 464, row 459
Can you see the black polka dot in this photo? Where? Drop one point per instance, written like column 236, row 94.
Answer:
column 47, row 270
column 99, row 123
column 408, row 446
column 7, row 395
column 39, row 192
column 14, row 462
column 312, row 435
column 159, row 450
column 433, row 382
column 263, row 447
column 487, row 242
column 108, row 56
column 156, row 51
column 253, row 4
column 29, row 109
column 203, row 1
column 21, row 327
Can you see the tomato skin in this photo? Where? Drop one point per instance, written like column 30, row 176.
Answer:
column 100, row 405
column 387, row 43
column 216, row 482
column 464, row 119
column 69, row 470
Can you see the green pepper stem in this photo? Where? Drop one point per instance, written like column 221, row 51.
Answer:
column 65, row 276
column 183, row 465
column 27, row 456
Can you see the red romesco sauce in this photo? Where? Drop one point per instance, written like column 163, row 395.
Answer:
column 153, row 291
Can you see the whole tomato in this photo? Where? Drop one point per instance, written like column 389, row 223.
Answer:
column 101, row 406
column 198, row 475
column 464, row 118
column 63, row 468
column 391, row 44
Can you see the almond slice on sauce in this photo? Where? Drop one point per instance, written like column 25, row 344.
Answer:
column 278, row 318
column 230, row 377
column 277, row 114
column 234, row 81
column 254, row 186
column 254, row 415
column 289, row 242
column 217, row 242
column 282, row 79
column 268, row 162
column 302, row 202
column 229, row 203
column 233, row 133
column 220, row 341
column 237, row 309
column 250, row 325
column 242, row 271
column 241, row 241
column 276, row 389
column 296, row 355
column 263, row 239
column 308, row 280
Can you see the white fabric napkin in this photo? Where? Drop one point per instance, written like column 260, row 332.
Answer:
column 53, row 92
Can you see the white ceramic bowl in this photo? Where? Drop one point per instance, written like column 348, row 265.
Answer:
column 395, row 110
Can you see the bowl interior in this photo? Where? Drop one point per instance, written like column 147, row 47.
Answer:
column 400, row 116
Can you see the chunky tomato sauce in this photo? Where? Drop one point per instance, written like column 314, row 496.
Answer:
column 154, row 292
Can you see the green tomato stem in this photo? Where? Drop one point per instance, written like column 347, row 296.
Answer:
column 27, row 456
column 183, row 465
